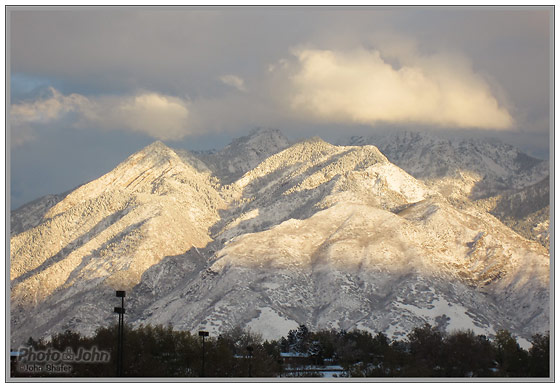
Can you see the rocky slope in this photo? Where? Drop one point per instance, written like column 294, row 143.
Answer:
column 243, row 154
column 496, row 176
column 476, row 168
column 31, row 214
column 107, row 233
column 328, row 236
column 526, row 210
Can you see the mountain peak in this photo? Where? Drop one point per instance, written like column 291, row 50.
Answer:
column 261, row 138
column 314, row 143
column 264, row 131
column 156, row 154
column 157, row 147
column 245, row 153
column 315, row 139
column 318, row 234
column 157, row 144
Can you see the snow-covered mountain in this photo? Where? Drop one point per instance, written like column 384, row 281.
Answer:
column 310, row 233
column 486, row 171
column 526, row 210
column 31, row 214
column 477, row 168
column 107, row 233
column 244, row 153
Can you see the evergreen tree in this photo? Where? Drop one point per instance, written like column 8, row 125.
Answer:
column 426, row 351
column 302, row 338
column 511, row 359
column 160, row 351
column 539, row 356
column 467, row 355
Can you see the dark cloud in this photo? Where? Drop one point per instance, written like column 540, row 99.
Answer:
column 157, row 50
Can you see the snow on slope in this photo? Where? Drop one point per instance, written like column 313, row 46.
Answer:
column 310, row 176
column 492, row 173
column 329, row 236
column 356, row 266
column 526, row 210
column 107, row 233
column 31, row 214
column 244, row 153
column 477, row 168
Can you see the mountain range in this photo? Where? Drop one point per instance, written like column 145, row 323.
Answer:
column 484, row 171
column 380, row 234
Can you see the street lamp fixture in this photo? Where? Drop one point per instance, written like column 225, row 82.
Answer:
column 120, row 336
column 203, row 334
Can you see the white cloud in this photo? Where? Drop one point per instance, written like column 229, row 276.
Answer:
column 314, row 86
column 234, row 81
column 159, row 116
column 360, row 87
column 47, row 109
column 44, row 111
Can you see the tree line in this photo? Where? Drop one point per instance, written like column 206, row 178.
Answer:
column 161, row 351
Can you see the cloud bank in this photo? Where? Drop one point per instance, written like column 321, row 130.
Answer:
column 314, row 86
column 360, row 87
column 157, row 115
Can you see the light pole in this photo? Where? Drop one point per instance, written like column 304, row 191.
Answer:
column 250, row 350
column 120, row 334
column 203, row 334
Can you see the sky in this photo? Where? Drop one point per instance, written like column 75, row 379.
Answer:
column 90, row 86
